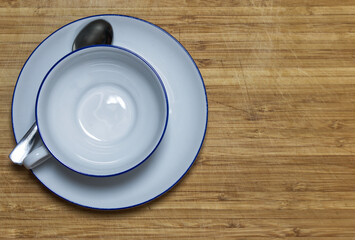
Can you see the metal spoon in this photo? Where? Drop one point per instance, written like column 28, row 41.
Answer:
column 96, row 32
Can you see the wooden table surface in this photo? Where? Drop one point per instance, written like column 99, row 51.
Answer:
column 278, row 160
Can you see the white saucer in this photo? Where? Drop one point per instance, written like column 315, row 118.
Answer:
column 183, row 137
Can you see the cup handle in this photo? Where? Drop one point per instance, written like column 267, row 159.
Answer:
column 36, row 157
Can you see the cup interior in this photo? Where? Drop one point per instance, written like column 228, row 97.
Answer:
column 102, row 110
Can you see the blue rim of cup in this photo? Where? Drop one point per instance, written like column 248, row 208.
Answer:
column 204, row 88
column 141, row 59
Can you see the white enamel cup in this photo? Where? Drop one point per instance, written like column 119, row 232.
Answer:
column 100, row 111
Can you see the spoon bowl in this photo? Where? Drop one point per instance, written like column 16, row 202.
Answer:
column 95, row 33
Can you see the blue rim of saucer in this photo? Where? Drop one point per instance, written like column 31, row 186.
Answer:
column 141, row 59
column 204, row 88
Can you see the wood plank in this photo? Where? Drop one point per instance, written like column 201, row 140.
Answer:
column 278, row 161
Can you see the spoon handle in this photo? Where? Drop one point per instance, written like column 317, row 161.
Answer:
column 25, row 145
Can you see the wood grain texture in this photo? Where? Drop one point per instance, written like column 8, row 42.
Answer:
column 279, row 156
